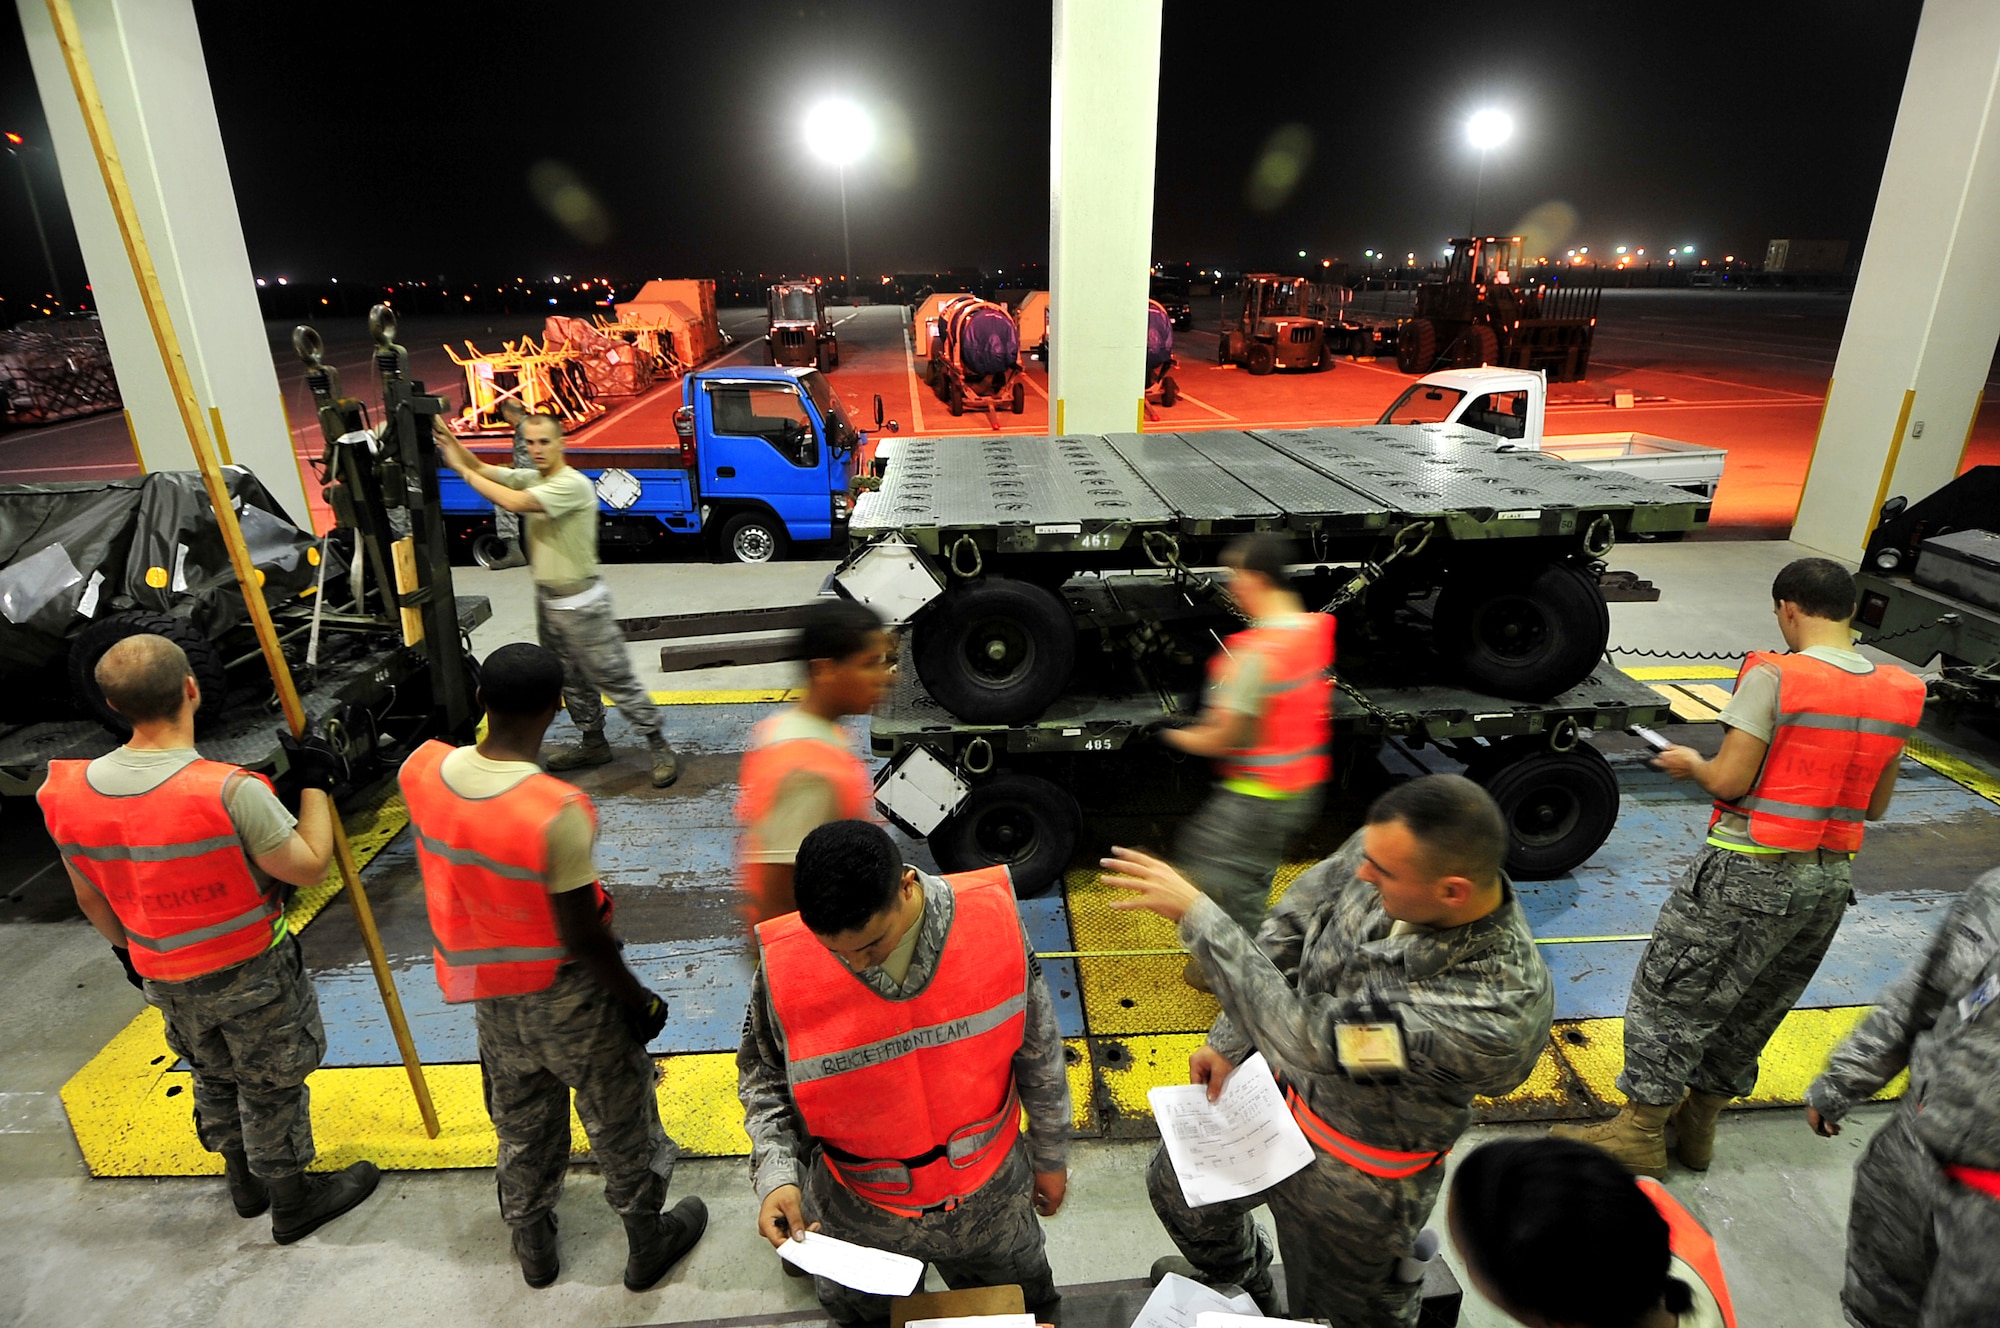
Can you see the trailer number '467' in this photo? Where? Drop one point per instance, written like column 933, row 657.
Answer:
column 1098, row 540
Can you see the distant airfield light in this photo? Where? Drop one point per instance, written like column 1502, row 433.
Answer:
column 1302, row 253
column 1687, row 248
column 1642, row 253
column 1621, row 249
column 15, row 138
column 1326, row 262
column 1489, row 128
column 839, row 132
column 283, row 282
column 260, row 281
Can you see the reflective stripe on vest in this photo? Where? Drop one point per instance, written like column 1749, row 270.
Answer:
column 493, row 926
column 763, row 771
column 169, row 863
column 1692, row 1245
column 1385, row 1163
column 1836, row 733
column 911, row 1100
column 1294, row 731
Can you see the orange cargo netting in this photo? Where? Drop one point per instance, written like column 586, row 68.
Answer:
column 616, row 367
column 654, row 341
column 681, row 313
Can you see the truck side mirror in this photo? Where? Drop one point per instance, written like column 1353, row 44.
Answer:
column 878, row 410
column 1893, row 508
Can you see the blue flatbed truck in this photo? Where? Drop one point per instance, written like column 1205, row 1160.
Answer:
column 757, row 459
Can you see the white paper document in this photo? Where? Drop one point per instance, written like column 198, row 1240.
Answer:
column 1211, row 1319
column 875, row 1272
column 1243, row 1142
column 1177, row 1300
column 975, row 1321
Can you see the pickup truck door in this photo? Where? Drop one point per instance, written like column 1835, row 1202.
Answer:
column 765, row 444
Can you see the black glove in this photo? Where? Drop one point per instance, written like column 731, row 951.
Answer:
column 310, row 763
column 647, row 1017
column 124, row 953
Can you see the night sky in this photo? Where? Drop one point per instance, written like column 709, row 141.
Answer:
column 382, row 141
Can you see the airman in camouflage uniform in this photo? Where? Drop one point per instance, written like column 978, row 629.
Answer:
column 993, row 1238
column 1472, row 1002
column 1921, row 1238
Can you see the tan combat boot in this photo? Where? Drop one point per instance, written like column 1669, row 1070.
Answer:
column 1636, row 1136
column 1694, row 1129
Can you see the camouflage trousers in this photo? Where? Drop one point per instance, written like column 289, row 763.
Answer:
column 535, row 1048
column 1920, row 1246
column 506, row 524
column 595, row 664
column 251, row 1033
column 1340, row 1231
column 1232, row 845
column 1735, row 944
column 992, row 1239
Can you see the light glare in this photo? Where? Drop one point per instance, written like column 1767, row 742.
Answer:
column 839, row 132
column 1489, row 129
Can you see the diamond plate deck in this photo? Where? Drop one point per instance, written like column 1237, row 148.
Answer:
column 1190, row 480
column 1248, row 462
column 1429, row 469
column 1007, row 479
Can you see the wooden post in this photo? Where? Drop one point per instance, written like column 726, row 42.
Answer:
column 85, row 83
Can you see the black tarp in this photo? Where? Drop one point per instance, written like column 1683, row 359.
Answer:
column 72, row 553
column 985, row 337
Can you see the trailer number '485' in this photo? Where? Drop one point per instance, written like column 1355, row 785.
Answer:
column 1098, row 744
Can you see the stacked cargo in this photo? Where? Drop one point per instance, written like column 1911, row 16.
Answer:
column 685, row 310
column 55, row 371
column 615, row 367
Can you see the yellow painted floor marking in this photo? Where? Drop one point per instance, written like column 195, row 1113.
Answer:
column 1544, row 1086
column 1083, row 1108
column 740, row 696
column 1145, row 1062
column 1594, row 1050
column 1677, row 672
column 1951, row 767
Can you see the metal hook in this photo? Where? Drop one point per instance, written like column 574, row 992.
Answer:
column 977, row 758
column 963, row 543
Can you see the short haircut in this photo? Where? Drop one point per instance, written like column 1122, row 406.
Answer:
column 144, row 678
column 846, row 874
column 837, row 628
column 520, row 680
column 1456, row 821
column 1561, row 1230
column 541, row 417
column 1820, row 587
column 1265, row 552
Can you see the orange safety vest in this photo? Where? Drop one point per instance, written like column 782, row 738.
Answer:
column 911, row 1101
column 1293, row 733
column 764, row 768
column 170, row 864
column 1383, row 1163
column 485, row 865
column 1836, row 733
column 1692, row 1245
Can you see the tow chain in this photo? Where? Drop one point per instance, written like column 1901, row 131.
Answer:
column 1409, row 541
column 1942, row 620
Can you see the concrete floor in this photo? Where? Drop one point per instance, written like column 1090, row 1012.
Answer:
column 430, row 1248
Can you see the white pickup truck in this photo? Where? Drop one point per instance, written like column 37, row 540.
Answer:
column 1513, row 403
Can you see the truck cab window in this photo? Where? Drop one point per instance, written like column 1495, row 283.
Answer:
column 774, row 413
column 1503, row 413
column 1423, row 404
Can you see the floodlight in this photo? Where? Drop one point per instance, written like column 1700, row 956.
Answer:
column 839, row 132
column 1489, row 129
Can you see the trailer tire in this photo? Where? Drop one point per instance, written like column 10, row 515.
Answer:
column 1170, row 392
column 88, row 646
column 1522, row 632
column 752, row 537
column 1417, row 346
column 1260, row 359
column 1023, row 822
column 830, row 357
column 1222, row 347
column 997, row 650
column 954, row 397
column 1020, row 398
column 1559, row 807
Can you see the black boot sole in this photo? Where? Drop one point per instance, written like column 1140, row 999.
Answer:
column 262, row 1207
column 689, row 1238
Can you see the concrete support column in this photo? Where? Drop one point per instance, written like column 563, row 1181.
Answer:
column 147, row 59
column 1926, row 314
column 1102, row 124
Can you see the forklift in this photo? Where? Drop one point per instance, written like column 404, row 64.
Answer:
column 800, row 333
column 1274, row 329
column 1484, row 313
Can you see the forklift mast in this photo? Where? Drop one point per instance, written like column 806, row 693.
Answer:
column 383, row 486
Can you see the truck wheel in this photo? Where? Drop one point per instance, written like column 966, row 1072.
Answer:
column 1022, row 822
column 1260, row 359
column 996, row 651
column 1559, row 806
column 954, row 397
column 1170, row 392
column 1482, row 346
column 1325, row 360
column 88, row 646
column 1417, row 346
column 1222, row 347
column 1521, row 632
column 829, row 358
column 1020, row 398
column 751, row 537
